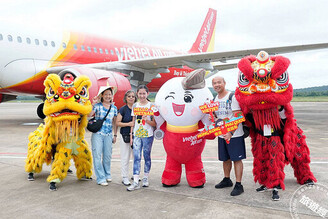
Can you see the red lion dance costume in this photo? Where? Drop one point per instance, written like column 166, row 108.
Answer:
column 264, row 94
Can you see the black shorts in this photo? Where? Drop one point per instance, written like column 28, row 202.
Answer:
column 234, row 151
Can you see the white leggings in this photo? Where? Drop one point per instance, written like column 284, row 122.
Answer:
column 125, row 157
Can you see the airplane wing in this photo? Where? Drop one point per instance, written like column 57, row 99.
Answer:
column 152, row 66
column 221, row 67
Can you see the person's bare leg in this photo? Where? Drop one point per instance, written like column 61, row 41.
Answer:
column 227, row 165
column 238, row 165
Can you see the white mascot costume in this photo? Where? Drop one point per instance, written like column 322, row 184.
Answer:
column 179, row 117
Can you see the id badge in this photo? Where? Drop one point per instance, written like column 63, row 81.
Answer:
column 267, row 130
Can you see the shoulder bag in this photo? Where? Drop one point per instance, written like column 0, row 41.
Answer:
column 95, row 125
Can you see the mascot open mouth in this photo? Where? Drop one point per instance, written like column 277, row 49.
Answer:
column 64, row 112
column 178, row 109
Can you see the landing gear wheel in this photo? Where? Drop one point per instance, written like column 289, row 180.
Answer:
column 40, row 111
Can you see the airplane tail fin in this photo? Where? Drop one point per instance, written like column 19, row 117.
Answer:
column 206, row 37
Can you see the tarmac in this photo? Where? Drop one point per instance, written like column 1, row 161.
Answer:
column 20, row 198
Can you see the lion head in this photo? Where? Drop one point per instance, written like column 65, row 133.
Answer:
column 263, row 82
column 67, row 104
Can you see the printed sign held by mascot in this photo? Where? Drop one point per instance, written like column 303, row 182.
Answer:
column 62, row 136
column 264, row 94
column 179, row 116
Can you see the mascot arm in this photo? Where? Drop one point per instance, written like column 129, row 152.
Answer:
column 158, row 118
column 206, row 120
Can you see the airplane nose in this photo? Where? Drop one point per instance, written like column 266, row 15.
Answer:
column 16, row 72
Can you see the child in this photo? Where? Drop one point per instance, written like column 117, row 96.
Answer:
column 143, row 137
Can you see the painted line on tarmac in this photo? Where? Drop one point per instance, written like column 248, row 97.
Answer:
column 31, row 124
column 163, row 161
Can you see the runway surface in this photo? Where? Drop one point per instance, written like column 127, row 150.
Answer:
column 20, row 198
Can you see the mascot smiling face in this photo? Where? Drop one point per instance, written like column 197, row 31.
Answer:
column 179, row 106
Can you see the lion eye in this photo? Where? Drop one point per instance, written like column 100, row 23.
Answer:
column 283, row 79
column 51, row 92
column 242, row 80
column 83, row 92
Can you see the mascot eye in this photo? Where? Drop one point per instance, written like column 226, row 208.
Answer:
column 170, row 95
column 283, row 79
column 242, row 80
column 188, row 98
column 83, row 92
column 51, row 92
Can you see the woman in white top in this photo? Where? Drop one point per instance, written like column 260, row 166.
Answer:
column 124, row 120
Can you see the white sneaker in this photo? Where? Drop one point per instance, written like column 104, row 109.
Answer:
column 104, row 184
column 126, row 181
column 108, row 180
column 145, row 182
column 134, row 186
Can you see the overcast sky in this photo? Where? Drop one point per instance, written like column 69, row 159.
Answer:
column 175, row 24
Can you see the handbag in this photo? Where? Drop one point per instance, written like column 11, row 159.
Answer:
column 126, row 138
column 95, row 125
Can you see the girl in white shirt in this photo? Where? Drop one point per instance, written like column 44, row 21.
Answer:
column 143, row 136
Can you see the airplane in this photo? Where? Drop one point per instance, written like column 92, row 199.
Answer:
column 27, row 59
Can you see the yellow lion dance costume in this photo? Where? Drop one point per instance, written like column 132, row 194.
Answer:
column 62, row 136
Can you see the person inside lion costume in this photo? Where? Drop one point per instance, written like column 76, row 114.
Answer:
column 61, row 137
column 264, row 94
